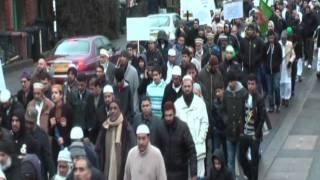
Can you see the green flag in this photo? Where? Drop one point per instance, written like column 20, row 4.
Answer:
column 266, row 13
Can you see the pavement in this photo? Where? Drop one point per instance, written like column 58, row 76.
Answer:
column 292, row 150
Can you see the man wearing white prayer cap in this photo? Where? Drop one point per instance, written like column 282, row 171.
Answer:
column 172, row 57
column 192, row 109
column 42, row 104
column 146, row 156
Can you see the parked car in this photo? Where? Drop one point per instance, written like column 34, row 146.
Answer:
column 167, row 22
column 81, row 52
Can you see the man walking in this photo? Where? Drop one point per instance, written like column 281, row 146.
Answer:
column 144, row 157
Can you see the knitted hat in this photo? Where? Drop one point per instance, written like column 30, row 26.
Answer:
column 76, row 133
column 77, row 149
column 25, row 74
column 172, row 52
column 64, row 155
column 5, row 95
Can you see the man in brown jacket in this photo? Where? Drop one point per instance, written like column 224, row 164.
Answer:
column 42, row 104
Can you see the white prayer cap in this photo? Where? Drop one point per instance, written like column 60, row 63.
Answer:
column 176, row 71
column 172, row 52
column 143, row 129
column 5, row 95
column 198, row 40
column 37, row 85
column 152, row 39
column 64, row 155
column 107, row 89
column 76, row 133
column 187, row 77
column 104, row 52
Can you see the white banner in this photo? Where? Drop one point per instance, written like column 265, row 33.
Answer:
column 233, row 9
column 138, row 29
column 197, row 9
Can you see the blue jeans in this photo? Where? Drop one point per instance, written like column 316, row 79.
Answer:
column 273, row 89
column 232, row 150
column 219, row 141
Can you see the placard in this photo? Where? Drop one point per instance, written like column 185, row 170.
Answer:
column 138, row 29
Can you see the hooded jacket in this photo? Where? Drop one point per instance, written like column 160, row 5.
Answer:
column 234, row 111
column 224, row 173
column 31, row 165
column 23, row 142
column 272, row 57
column 163, row 44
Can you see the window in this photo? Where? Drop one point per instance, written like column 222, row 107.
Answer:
column 73, row 47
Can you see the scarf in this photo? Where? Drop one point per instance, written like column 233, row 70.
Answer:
column 113, row 147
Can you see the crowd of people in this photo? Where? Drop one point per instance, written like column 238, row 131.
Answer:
column 188, row 109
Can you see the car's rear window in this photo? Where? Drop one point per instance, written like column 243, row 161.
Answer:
column 159, row 21
column 73, row 47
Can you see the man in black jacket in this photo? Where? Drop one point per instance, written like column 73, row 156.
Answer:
column 173, row 90
column 94, row 103
column 255, row 115
column 233, row 111
column 272, row 54
column 9, row 164
column 25, row 94
column 309, row 25
column 251, row 51
column 47, row 165
column 176, row 145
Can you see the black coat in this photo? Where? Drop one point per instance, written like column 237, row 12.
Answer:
column 170, row 94
column 80, row 108
column 234, row 112
column 309, row 24
column 13, row 172
column 178, row 149
column 47, row 164
column 5, row 115
column 251, row 53
column 91, row 116
column 153, row 123
column 274, row 65
column 126, row 100
column 23, row 99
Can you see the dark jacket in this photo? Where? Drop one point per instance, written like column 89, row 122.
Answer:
column 309, row 24
column 31, row 165
column 47, row 164
column 126, row 100
column 13, row 172
column 272, row 59
column 79, row 108
column 178, row 149
column 91, row 116
column 23, row 141
column 224, row 173
column 153, row 123
column 234, row 111
column 23, row 99
column 170, row 94
column 217, row 114
column 251, row 54
column 128, row 140
column 228, row 65
column 110, row 73
column 259, row 114
column 6, row 114
column 155, row 58
column 58, row 131
column 163, row 45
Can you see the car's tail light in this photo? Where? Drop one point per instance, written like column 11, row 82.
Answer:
column 81, row 65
